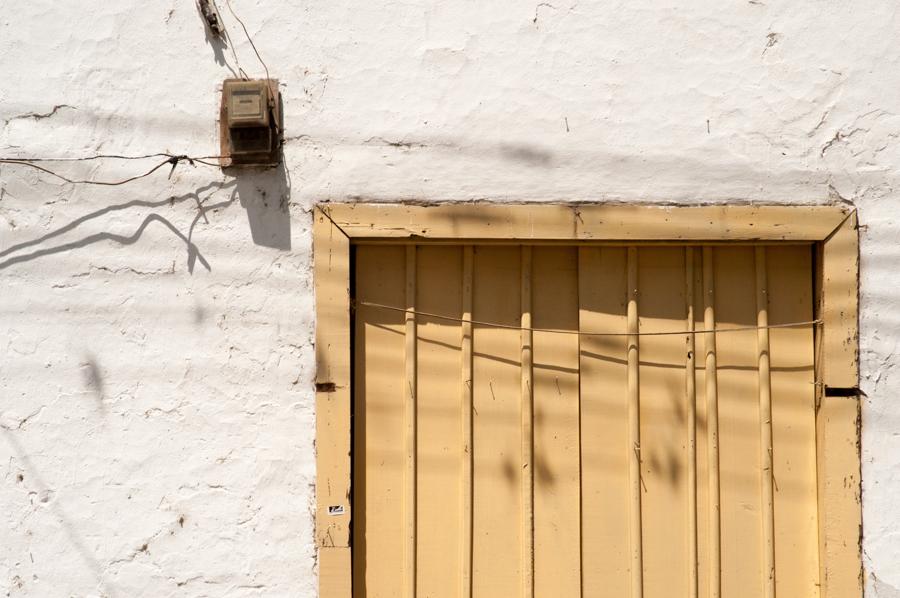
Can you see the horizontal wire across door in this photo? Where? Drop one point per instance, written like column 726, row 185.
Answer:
column 494, row 461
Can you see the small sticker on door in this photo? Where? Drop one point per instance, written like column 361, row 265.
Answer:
column 336, row 510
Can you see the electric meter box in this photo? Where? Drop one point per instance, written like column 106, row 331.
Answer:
column 247, row 103
column 250, row 122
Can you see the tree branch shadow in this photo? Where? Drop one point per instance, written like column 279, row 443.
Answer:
column 194, row 253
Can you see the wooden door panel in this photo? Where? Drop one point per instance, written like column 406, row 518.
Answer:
column 501, row 464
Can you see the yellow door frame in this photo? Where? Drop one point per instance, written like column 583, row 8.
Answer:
column 833, row 230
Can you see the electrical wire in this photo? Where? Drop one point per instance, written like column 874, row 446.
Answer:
column 110, row 157
column 171, row 159
column 252, row 45
column 354, row 304
column 210, row 13
column 240, row 70
column 272, row 91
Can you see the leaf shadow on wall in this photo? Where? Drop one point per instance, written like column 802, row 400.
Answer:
column 14, row 254
column 93, row 380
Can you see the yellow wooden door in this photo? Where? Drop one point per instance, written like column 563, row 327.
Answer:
column 513, row 436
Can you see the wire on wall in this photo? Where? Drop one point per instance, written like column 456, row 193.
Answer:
column 107, row 157
column 424, row 314
column 272, row 91
column 216, row 28
column 250, row 39
column 171, row 159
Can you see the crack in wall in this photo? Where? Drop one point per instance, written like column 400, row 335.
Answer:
column 21, row 424
column 40, row 115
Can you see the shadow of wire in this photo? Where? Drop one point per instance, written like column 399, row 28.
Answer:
column 193, row 251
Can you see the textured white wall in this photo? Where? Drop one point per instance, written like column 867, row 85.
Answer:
column 156, row 364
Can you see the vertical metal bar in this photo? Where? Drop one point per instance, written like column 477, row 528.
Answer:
column 818, row 379
column 409, row 509
column 712, row 417
column 634, row 429
column 527, row 431
column 690, row 383
column 578, row 301
column 765, row 425
column 466, row 521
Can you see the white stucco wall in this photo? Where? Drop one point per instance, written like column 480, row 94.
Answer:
column 156, row 359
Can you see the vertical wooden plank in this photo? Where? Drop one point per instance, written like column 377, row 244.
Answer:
column 556, row 471
column 712, row 427
column 765, row 425
column 838, row 417
column 634, row 429
column 465, row 544
column 409, row 443
column 839, row 420
column 690, row 392
column 497, row 433
column 790, row 293
column 840, row 305
column 739, row 423
column 527, row 427
column 334, row 572
column 332, row 271
column 663, row 421
column 605, row 448
column 380, row 449
column 441, row 455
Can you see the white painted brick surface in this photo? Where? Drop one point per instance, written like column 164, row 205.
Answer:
column 156, row 362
